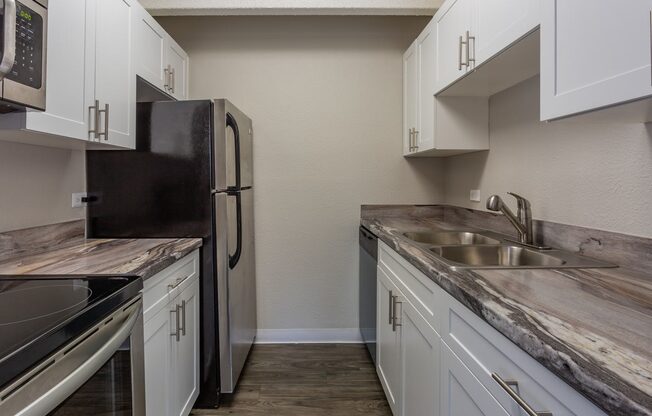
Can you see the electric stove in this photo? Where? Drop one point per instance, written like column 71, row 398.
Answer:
column 41, row 314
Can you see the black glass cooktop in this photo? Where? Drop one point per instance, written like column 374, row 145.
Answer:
column 38, row 315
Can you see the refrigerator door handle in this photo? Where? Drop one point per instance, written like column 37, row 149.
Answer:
column 232, row 123
column 235, row 258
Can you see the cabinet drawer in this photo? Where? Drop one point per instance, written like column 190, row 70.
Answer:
column 485, row 352
column 418, row 289
column 161, row 288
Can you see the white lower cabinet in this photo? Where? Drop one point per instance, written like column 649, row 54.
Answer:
column 171, row 336
column 450, row 364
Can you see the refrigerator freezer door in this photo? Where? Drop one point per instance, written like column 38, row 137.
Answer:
column 232, row 148
column 236, row 283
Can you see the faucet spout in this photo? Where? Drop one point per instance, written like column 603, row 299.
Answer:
column 522, row 221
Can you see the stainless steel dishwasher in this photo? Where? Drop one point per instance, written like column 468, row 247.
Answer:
column 367, row 289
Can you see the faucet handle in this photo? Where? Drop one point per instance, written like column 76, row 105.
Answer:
column 522, row 202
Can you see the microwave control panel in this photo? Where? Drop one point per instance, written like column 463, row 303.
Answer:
column 28, row 66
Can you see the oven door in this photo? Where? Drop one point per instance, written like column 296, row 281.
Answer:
column 23, row 39
column 99, row 373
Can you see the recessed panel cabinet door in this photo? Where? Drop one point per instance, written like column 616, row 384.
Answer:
column 420, row 346
column 452, row 21
column 594, row 53
column 388, row 342
column 462, row 393
column 70, row 70
column 410, row 98
column 151, row 43
column 158, row 356
column 115, row 75
column 179, row 65
column 186, row 374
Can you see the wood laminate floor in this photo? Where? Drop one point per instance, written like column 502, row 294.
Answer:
column 306, row 380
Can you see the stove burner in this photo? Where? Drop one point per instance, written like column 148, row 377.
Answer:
column 27, row 303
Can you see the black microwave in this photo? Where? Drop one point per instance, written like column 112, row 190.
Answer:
column 23, row 35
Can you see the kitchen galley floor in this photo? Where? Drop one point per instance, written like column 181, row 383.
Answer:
column 306, row 380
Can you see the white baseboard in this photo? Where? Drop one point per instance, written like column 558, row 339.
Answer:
column 309, row 336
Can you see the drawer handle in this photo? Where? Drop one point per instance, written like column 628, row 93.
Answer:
column 506, row 385
column 391, row 300
column 394, row 323
column 177, row 283
column 177, row 321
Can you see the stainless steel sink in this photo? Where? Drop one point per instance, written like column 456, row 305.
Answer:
column 450, row 238
column 508, row 256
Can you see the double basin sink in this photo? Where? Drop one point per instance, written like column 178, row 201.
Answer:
column 486, row 250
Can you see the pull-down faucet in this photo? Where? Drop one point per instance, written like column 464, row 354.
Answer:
column 522, row 221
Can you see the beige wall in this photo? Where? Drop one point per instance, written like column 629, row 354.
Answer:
column 597, row 175
column 325, row 98
column 36, row 184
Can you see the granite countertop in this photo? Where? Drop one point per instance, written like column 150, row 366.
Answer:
column 62, row 250
column 591, row 327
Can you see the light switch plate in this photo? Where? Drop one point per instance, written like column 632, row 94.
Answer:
column 475, row 195
column 77, row 199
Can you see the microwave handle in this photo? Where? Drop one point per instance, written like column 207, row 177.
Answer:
column 9, row 46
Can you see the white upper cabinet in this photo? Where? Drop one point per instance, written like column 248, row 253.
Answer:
column 115, row 74
column 594, row 53
column 150, row 49
column 476, row 53
column 178, row 62
column 94, row 53
column 438, row 126
column 454, row 28
column 160, row 60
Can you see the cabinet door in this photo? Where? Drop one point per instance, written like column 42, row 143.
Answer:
column 420, row 346
column 462, row 393
column 603, row 61
column 426, row 55
column 158, row 362
column 115, row 75
column 178, row 60
column 388, row 342
column 410, row 97
column 150, row 48
column 451, row 22
column 500, row 23
column 186, row 374
column 70, row 70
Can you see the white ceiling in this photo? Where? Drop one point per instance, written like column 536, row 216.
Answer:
column 291, row 7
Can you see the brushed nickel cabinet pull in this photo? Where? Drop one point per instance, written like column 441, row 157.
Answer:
column 416, row 139
column 394, row 303
column 105, row 133
column 183, row 317
column 469, row 59
column 459, row 57
column 391, row 297
column 94, row 115
column 173, row 81
column 177, row 332
column 506, row 385
column 166, row 72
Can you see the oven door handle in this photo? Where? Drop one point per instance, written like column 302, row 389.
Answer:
column 86, row 357
column 9, row 36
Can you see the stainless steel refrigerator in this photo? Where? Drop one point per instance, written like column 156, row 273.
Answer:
column 190, row 176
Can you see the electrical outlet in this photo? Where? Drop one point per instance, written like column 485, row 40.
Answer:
column 77, row 199
column 475, row 195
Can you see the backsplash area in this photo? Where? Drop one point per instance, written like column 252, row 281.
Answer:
column 36, row 184
column 591, row 174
